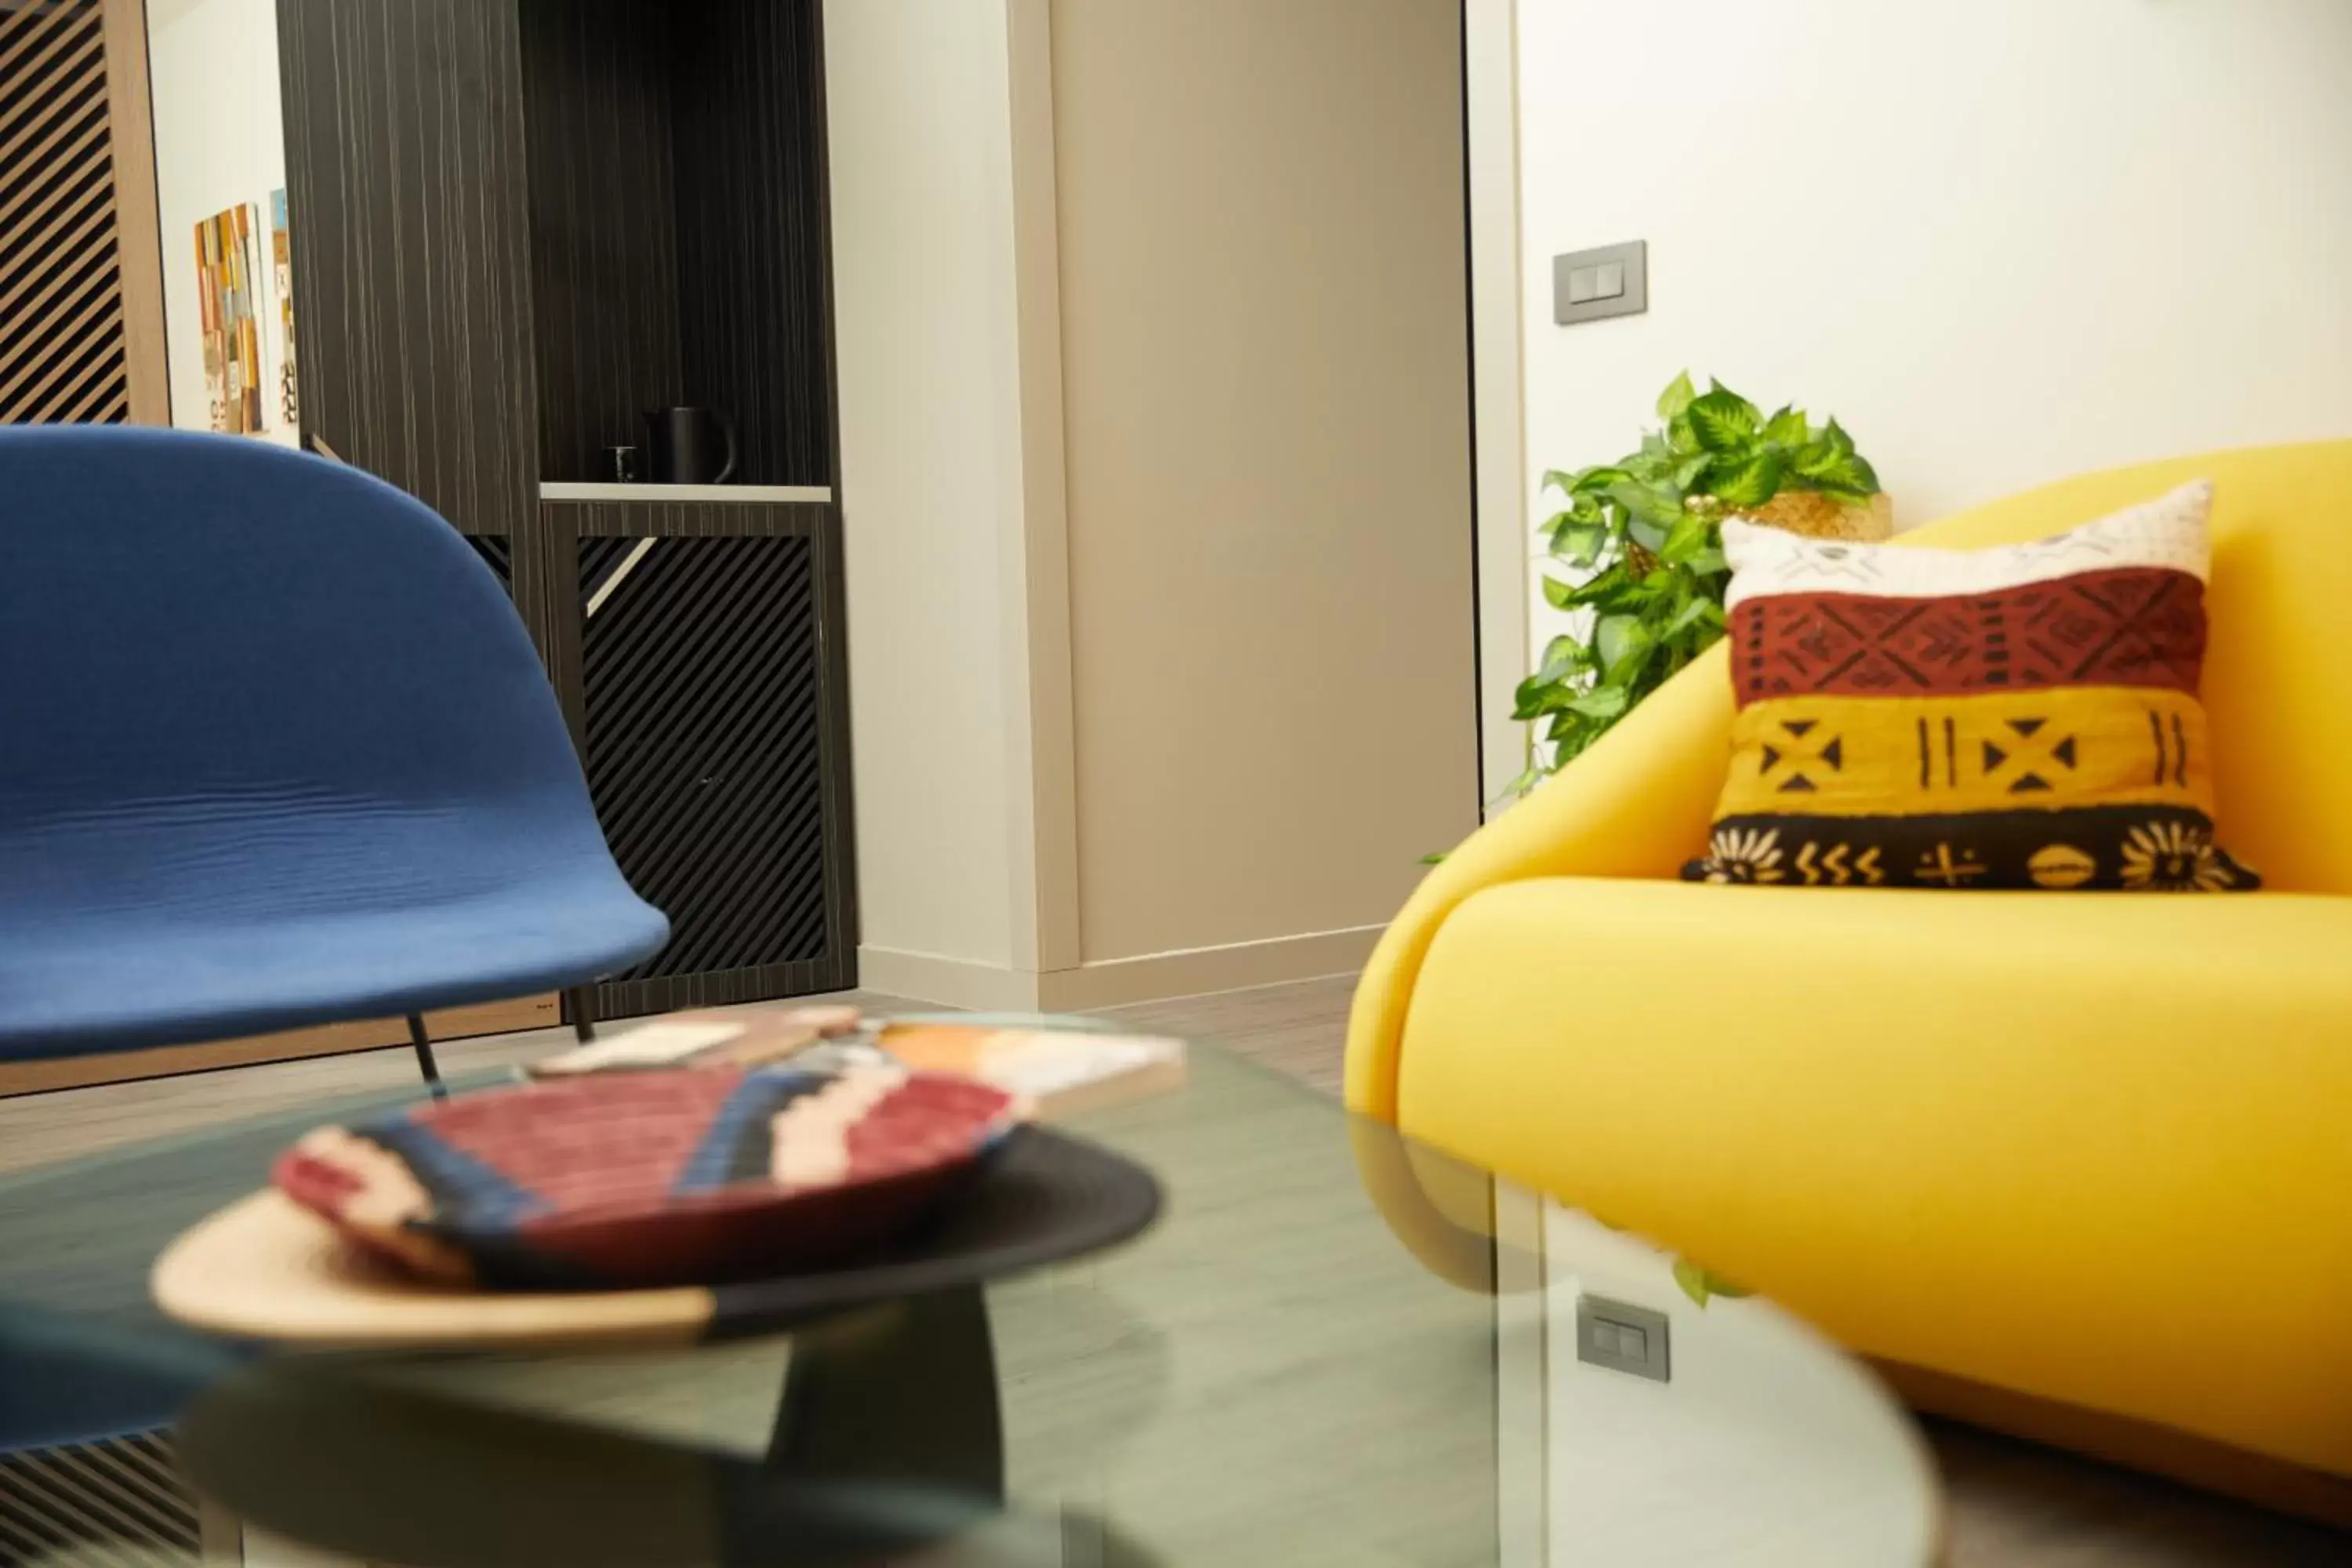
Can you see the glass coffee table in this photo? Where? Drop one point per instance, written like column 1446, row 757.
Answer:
column 1335, row 1347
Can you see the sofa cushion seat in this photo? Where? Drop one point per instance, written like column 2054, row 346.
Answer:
column 2095, row 1147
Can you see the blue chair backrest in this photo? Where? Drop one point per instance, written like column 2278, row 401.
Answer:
column 198, row 625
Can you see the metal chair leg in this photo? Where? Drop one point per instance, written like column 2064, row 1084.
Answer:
column 581, row 1002
column 423, row 1044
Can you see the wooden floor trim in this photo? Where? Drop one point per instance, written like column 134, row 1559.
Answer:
column 324, row 1040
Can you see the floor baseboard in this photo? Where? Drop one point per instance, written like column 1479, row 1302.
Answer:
column 1199, row 970
column 1118, row 982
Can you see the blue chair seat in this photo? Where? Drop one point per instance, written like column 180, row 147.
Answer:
column 275, row 751
column 87, row 985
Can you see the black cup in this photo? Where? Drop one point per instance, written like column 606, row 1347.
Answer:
column 689, row 447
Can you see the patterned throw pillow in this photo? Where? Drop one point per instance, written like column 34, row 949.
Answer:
column 2024, row 716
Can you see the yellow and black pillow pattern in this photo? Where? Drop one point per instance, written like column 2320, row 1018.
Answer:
column 2024, row 716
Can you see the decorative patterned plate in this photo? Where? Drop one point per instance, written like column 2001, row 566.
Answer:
column 265, row 1269
column 693, row 1176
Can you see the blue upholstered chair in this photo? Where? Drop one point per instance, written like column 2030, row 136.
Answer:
column 275, row 751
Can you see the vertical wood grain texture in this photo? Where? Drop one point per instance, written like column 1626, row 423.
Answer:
column 137, row 242
column 708, row 698
column 603, row 226
column 406, row 177
column 750, row 214
column 64, row 356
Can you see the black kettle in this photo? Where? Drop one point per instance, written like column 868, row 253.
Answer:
column 689, row 447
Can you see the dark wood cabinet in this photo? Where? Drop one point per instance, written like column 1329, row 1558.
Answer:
column 518, row 225
column 412, row 247
column 703, row 642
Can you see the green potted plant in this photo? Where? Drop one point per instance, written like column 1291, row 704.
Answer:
column 1641, row 545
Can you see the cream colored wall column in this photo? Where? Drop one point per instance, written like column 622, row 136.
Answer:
column 932, row 489
column 1156, row 485
column 1490, row 79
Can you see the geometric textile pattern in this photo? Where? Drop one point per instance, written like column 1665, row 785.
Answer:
column 2137, row 627
column 1876, row 755
column 2168, row 534
column 2017, row 718
column 686, row 1176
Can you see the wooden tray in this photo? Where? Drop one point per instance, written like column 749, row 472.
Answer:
column 268, row 1269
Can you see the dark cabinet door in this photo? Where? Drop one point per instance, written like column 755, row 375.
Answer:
column 412, row 268
column 701, row 654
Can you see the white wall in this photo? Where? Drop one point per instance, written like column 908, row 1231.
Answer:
column 220, row 142
column 922, row 218
column 2004, row 240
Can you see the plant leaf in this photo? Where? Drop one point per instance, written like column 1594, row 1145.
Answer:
column 1834, row 434
column 1688, row 536
column 1561, row 595
column 1865, row 478
column 1614, row 590
column 1707, row 563
column 1676, row 397
column 1700, row 1284
column 1564, row 652
column 1658, row 505
column 1565, row 658
column 1788, row 428
column 1723, row 420
column 1750, row 481
column 1592, row 480
column 1578, row 544
column 1622, row 642
column 1539, row 695
column 1603, row 702
column 1843, row 474
column 1694, row 614
column 1691, row 1279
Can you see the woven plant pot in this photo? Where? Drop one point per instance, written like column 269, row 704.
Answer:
column 1817, row 516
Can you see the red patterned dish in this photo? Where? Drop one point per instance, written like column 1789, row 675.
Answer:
column 651, row 1178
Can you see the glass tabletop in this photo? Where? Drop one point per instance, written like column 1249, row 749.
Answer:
column 1335, row 1347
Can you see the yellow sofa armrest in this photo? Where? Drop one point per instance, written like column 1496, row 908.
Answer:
column 1636, row 804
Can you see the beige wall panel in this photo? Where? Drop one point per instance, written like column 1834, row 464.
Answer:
column 1265, row 390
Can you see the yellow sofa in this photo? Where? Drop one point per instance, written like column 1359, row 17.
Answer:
column 2076, row 1163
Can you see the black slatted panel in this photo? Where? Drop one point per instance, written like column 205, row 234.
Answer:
column 707, row 753
column 752, row 272
column 498, row 551
column 61, row 345
column 116, row 1501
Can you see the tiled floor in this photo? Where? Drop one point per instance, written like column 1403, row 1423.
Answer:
column 2014, row 1505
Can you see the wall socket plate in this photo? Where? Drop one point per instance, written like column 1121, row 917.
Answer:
column 1614, row 281
column 1623, row 1338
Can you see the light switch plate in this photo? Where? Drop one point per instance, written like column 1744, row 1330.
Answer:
column 1582, row 282
column 1623, row 1338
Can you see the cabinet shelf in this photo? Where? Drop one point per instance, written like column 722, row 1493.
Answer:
column 741, row 494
